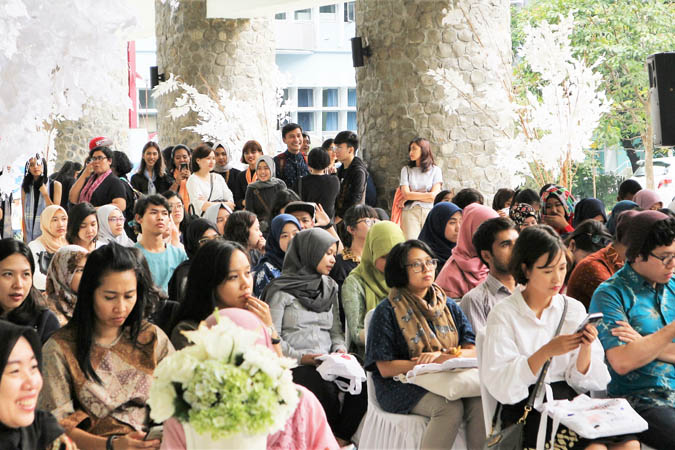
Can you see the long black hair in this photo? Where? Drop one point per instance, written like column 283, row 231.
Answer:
column 102, row 261
column 76, row 216
column 31, row 306
column 28, row 179
column 238, row 225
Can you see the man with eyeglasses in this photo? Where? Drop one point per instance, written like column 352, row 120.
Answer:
column 638, row 327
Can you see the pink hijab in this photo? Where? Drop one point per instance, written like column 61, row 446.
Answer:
column 646, row 198
column 464, row 270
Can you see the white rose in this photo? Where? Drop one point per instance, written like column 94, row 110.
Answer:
column 162, row 396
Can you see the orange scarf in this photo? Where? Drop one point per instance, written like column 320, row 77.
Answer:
column 182, row 189
column 250, row 178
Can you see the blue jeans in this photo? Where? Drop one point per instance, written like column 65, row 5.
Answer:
column 661, row 420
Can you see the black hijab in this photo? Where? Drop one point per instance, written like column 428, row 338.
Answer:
column 45, row 428
column 195, row 231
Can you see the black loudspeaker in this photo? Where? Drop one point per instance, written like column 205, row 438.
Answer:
column 359, row 51
column 661, row 68
column 155, row 77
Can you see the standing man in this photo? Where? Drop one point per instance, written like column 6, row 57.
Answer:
column 638, row 326
column 353, row 174
column 494, row 240
column 292, row 164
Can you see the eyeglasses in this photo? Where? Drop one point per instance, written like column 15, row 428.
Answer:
column 98, row 158
column 369, row 222
column 204, row 240
column 116, row 219
column 419, row 266
column 175, row 207
column 665, row 259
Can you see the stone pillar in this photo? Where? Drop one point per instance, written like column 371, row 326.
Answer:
column 398, row 100
column 98, row 119
column 211, row 54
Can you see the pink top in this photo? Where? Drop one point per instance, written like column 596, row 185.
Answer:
column 464, row 270
column 307, row 428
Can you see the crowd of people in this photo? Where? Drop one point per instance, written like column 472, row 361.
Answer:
column 112, row 271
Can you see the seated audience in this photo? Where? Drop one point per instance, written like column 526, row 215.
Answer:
column 283, row 229
column 589, row 208
column 83, row 226
column 250, row 153
column 54, row 224
column 23, row 427
column 243, row 227
column 37, row 192
column 528, row 196
column 444, row 196
column 493, row 240
column 417, row 324
column 97, row 184
column 282, row 199
column 467, row 196
column 589, row 237
column 179, row 221
column 638, row 327
column 464, row 270
column 441, row 230
column 648, row 199
column 204, row 187
column 152, row 214
column 304, row 306
column 623, row 205
column 523, row 215
column 224, row 165
column 220, row 277
column 365, row 287
column 110, row 221
column 151, row 177
column 19, row 302
column 502, row 201
column 63, row 280
column 319, row 186
column 218, row 214
column 557, row 209
column 519, row 339
column 260, row 193
column 627, row 190
column 99, row 367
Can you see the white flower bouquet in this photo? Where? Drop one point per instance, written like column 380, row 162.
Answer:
column 224, row 384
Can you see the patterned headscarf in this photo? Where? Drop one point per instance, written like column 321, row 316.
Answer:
column 522, row 211
column 564, row 196
column 60, row 297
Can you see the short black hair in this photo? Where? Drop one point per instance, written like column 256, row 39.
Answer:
column 467, row 196
column 237, row 226
column 501, row 197
column 485, row 234
column 353, row 214
column 533, row 242
column 318, row 158
column 395, row 270
column 327, row 143
column 121, row 163
column 381, row 213
column 76, row 215
column 347, row 137
column 143, row 203
column 662, row 233
column 200, row 152
column 628, row 186
column 440, row 195
column 305, row 135
column 107, row 151
column 288, row 128
column 590, row 236
column 281, row 199
column 528, row 196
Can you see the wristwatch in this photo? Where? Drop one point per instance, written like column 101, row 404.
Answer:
column 109, row 442
column 275, row 340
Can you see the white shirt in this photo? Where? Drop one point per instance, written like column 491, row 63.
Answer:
column 513, row 333
column 199, row 191
column 418, row 181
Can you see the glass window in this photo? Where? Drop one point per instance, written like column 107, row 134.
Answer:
column 280, row 16
column 145, row 100
column 305, row 98
column 303, row 14
column 351, row 120
column 351, row 97
column 330, row 98
column 306, row 121
column 349, row 12
column 328, row 12
column 329, row 121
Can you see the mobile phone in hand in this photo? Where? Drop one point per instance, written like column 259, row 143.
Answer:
column 593, row 318
column 154, row 433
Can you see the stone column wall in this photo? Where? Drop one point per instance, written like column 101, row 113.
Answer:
column 210, row 54
column 398, row 100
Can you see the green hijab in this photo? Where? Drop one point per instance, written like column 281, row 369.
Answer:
column 381, row 238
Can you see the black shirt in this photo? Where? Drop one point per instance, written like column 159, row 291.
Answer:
column 322, row 189
column 111, row 188
column 230, row 178
column 352, row 186
column 140, row 183
column 239, row 189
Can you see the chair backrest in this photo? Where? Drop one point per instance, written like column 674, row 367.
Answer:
column 488, row 401
column 366, row 323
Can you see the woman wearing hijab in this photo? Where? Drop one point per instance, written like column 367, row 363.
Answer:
column 54, row 224
column 199, row 232
column 224, row 165
column 304, row 306
column 283, row 229
column 589, row 208
column 63, row 280
column 622, row 206
column 218, row 214
column 259, row 194
column 111, row 226
column 441, row 229
column 464, row 270
column 648, row 199
column 365, row 287
column 557, row 209
column 523, row 215
column 20, row 383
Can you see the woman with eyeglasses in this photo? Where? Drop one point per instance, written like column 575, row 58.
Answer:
column 37, row 192
column 417, row 324
column 97, row 184
column 218, row 214
column 283, row 229
column 365, row 286
column 111, row 226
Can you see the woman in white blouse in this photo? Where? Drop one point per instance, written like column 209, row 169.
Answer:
column 204, row 187
column 519, row 339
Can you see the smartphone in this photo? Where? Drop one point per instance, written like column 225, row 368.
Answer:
column 593, row 318
column 154, row 433
column 183, row 166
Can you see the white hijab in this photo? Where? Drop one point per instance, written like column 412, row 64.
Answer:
column 105, row 235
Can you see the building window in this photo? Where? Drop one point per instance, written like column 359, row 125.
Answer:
column 328, row 12
column 280, row 16
column 351, row 120
column 329, row 121
column 330, row 98
column 349, row 11
column 306, row 121
column 351, row 97
column 145, row 100
column 303, row 14
column 305, row 98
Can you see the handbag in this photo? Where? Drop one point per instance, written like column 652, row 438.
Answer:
column 511, row 437
column 451, row 384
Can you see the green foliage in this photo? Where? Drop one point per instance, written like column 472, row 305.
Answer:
column 606, row 184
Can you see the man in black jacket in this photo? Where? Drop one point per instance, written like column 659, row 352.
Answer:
column 353, row 174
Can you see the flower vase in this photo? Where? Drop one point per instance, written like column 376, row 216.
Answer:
column 196, row 441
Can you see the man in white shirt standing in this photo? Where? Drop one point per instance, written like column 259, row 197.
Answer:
column 494, row 240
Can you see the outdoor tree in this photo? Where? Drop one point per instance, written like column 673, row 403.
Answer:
column 620, row 35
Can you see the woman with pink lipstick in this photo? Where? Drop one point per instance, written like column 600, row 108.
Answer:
column 99, row 366
column 519, row 339
column 204, row 187
column 22, row 426
column 151, row 177
column 53, row 223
